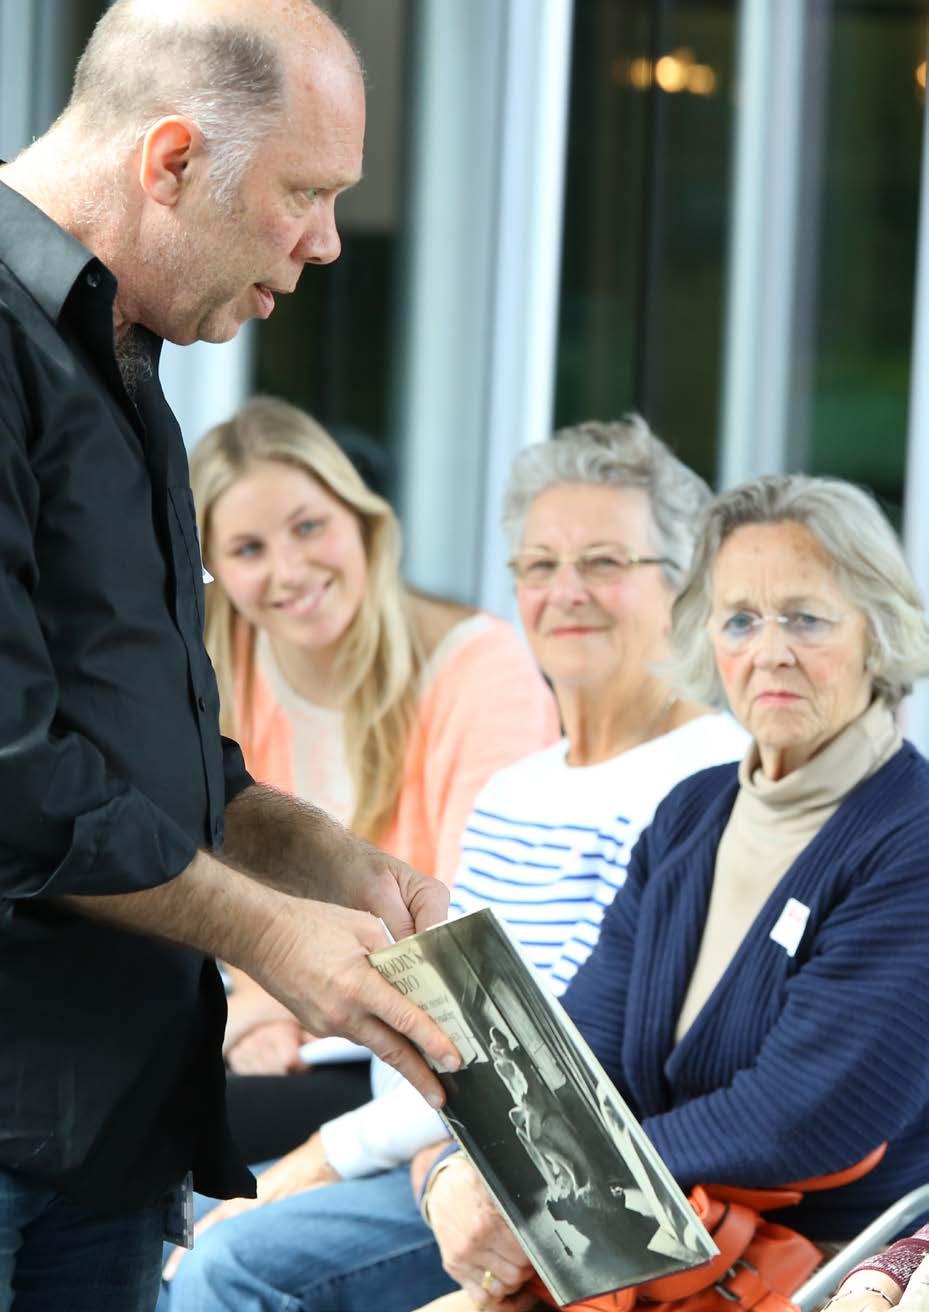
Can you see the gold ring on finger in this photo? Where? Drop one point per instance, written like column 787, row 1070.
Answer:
column 488, row 1280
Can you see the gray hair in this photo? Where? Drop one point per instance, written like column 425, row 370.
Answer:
column 869, row 565
column 228, row 77
column 622, row 453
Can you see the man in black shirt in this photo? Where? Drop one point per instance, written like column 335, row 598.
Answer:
column 191, row 177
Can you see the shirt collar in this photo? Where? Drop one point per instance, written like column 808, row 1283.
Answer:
column 45, row 259
column 855, row 753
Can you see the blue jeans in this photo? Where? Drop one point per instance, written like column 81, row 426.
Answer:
column 346, row 1247
column 55, row 1254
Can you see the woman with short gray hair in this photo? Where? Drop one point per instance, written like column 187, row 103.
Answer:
column 620, row 453
column 867, row 560
column 773, row 917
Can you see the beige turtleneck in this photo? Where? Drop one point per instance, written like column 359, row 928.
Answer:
column 772, row 821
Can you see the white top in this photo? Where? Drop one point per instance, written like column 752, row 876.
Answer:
column 320, row 761
column 547, row 846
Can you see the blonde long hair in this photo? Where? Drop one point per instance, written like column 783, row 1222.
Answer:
column 379, row 654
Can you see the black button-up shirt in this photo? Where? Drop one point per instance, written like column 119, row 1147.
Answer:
column 112, row 769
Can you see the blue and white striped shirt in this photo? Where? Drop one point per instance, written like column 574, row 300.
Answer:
column 547, row 847
column 547, row 844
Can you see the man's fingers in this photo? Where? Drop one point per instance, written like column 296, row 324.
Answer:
column 427, row 900
column 338, row 991
column 395, row 1051
column 386, row 1004
column 405, row 900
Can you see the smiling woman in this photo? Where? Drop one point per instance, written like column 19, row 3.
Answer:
column 387, row 709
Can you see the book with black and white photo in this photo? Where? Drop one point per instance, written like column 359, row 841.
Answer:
column 582, row 1187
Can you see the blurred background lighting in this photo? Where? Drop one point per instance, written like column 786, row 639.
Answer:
column 672, row 73
column 640, row 74
column 701, row 80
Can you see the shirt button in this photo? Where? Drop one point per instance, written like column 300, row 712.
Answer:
column 201, row 702
column 93, row 279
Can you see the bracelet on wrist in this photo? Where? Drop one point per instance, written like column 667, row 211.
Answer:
column 449, row 1155
column 859, row 1289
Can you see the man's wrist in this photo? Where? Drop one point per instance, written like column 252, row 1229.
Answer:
column 284, row 842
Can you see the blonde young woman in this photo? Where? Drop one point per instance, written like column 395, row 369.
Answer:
column 385, row 708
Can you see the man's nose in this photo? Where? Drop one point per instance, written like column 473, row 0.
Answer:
column 320, row 242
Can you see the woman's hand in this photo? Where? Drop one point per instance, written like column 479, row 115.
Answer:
column 865, row 1291
column 249, row 1006
column 271, row 1048
column 478, row 1248
column 262, row 1037
column 299, row 1171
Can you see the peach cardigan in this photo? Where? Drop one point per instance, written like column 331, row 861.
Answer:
column 483, row 705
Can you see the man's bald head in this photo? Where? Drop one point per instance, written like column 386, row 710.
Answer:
column 224, row 64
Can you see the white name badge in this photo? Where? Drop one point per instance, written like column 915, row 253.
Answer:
column 790, row 926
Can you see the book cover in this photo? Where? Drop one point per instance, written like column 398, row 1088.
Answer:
column 585, row 1192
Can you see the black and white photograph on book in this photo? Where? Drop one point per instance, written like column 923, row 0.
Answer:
column 582, row 1187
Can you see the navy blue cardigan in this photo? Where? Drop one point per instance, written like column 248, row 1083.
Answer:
column 795, row 1066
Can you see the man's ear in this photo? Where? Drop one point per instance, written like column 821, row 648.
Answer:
column 168, row 148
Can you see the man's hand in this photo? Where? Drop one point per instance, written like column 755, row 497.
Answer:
column 299, row 1171
column 314, row 959
column 406, row 901
column 311, row 956
column 310, row 855
column 478, row 1248
column 304, row 852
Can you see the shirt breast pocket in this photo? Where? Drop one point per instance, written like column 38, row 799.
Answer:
column 185, row 548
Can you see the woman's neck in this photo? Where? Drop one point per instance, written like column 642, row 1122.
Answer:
column 312, row 675
column 602, row 722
